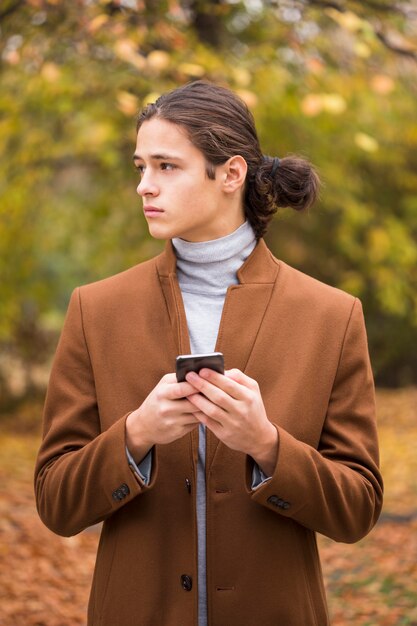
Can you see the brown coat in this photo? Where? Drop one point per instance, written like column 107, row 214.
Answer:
column 305, row 343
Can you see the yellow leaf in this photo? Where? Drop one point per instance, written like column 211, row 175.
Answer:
column 97, row 22
column 379, row 244
column 362, row 50
column 50, row 72
column 250, row 98
column 127, row 103
column 96, row 135
column 11, row 56
column 366, row 142
column 158, row 60
column 150, row 98
column 348, row 19
column 315, row 65
column 192, row 69
column 333, row 103
column 126, row 50
column 242, row 76
column 382, row 84
column 312, row 105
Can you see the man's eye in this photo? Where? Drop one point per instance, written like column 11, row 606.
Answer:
column 167, row 166
column 140, row 169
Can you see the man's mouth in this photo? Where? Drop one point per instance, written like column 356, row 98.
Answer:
column 152, row 211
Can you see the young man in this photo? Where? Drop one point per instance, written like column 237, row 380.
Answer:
column 211, row 490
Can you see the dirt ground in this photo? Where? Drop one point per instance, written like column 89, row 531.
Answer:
column 45, row 579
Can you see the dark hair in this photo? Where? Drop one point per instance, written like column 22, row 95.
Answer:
column 220, row 125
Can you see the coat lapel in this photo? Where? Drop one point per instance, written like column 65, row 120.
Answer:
column 166, row 267
column 243, row 311
column 245, row 306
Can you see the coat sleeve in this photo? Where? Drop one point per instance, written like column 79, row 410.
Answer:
column 82, row 474
column 336, row 489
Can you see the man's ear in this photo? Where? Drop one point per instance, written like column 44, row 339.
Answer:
column 234, row 173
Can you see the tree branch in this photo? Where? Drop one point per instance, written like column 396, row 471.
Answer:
column 327, row 4
column 207, row 21
column 384, row 8
column 372, row 4
column 384, row 39
column 399, row 9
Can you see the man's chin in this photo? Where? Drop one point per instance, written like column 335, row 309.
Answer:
column 159, row 233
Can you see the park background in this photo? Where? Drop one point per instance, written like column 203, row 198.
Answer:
column 331, row 80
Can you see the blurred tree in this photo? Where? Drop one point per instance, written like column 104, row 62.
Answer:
column 321, row 78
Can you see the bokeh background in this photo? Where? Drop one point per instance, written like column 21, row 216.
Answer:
column 335, row 81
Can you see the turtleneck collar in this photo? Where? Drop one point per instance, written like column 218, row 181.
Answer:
column 211, row 266
column 216, row 250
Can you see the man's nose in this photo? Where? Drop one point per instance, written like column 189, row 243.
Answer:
column 146, row 186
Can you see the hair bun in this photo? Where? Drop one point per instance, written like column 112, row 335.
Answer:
column 295, row 183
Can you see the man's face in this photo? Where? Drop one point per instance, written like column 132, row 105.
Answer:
column 179, row 200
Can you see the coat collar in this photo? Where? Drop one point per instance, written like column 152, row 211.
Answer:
column 260, row 267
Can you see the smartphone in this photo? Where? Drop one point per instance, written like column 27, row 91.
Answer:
column 195, row 362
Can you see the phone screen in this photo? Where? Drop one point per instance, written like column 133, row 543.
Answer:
column 195, row 362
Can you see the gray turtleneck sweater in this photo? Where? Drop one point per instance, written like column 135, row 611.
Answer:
column 205, row 270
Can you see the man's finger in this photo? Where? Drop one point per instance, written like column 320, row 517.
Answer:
column 227, row 384
column 241, row 378
column 176, row 390
column 208, row 407
column 184, row 406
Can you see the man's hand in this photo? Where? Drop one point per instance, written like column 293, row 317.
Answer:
column 164, row 416
column 233, row 409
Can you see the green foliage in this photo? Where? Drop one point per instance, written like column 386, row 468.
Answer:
column 320, row 83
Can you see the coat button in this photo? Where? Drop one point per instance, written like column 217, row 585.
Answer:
column 274, row 500
column 121, row 492
column 279, row 502
column 124, row 489
column 186, row 582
